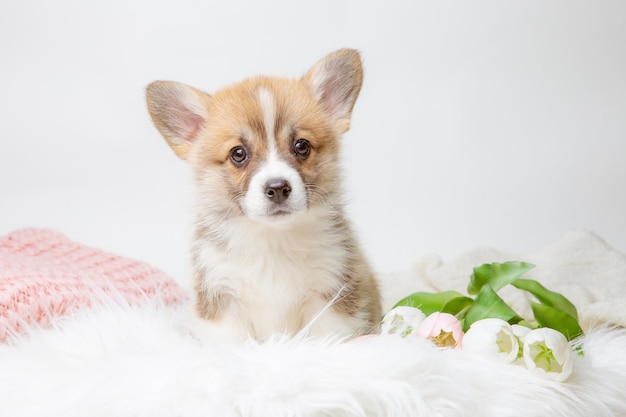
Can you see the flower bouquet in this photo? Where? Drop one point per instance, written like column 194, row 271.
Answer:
column 485, row 325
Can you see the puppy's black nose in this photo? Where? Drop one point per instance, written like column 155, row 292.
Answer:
column 277, row 189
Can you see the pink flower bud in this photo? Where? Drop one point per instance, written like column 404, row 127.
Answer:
column 443, row 329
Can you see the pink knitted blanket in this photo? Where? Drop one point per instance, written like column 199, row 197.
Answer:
column 44, row 275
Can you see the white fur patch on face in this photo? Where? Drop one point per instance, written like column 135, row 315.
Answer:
column 256, row 203
column 268, row 106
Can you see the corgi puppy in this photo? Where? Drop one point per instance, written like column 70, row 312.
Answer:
column 272, row 250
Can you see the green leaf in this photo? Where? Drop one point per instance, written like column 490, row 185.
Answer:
column 497, row 275
column 488, row 304
column 528, row 324
column 429, row 302
column 556, row 319
column 547, row 297
column 457, row 306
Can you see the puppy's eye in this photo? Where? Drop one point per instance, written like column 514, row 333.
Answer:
column 238, row 155
column 302, row 148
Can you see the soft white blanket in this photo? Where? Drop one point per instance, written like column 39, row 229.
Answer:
column 147, row 361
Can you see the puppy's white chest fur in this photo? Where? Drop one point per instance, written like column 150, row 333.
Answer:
column 280, row 277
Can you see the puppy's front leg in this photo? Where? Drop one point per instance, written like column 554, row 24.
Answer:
column 321, row 318
column 220, row 320
column 227, row 330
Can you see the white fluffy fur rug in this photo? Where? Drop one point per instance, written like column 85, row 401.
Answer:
column 117, row 360
column 123, row 361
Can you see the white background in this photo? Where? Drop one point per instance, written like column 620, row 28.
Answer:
column 480, row 123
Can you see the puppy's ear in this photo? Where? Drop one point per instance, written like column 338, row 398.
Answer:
column 336, row 82
column 179, row 112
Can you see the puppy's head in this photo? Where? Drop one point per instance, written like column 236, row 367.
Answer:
column 265, row 148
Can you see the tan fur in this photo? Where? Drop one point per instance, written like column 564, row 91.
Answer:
column 263, row 276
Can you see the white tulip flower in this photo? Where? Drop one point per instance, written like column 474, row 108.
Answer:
column 402, row 320
column 492, row 338
column 520, row 332
column 547, row 352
